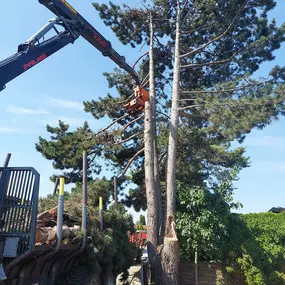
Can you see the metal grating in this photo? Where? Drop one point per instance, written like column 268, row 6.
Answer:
column 19, row 190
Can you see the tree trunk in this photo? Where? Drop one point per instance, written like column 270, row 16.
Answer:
column 172, row 145
column 154, row 208
column 159, row 209
column 149, row 159
column 160, row 216
column 171, row 259
column 171, row 251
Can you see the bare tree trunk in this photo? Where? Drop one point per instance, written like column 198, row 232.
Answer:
column 149, row 159
column 155, row 150
column 154, row 199
column 172, row 146
column 160, row 216
column 171, row 250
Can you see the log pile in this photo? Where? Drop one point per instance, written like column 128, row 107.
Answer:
column 46, row 230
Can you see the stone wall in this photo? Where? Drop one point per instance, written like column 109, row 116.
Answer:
column 208, row 274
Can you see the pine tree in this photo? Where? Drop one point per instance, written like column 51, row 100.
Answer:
column 222, row 44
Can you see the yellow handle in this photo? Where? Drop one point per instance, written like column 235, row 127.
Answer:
column 61, row 186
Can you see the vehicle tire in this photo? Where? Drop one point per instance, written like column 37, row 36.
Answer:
column 79, row 275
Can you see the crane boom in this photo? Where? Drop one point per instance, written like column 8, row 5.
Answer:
column 62, row 8
column 37, row 49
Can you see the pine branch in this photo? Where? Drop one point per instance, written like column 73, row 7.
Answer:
column 181, row 113
column 198, row 28
column 145, row 83
column 159, row 112
column 161, row 157
column 226, row 90
column 109, row 126
column 188, row 99
column 131, row 161
column 131, row 122
column 140, row 58
column 254, row 45
column 189, row 107
column 145, row 79
column 94, row 155
column 184, row 6
column 211, row 62
column 125, row 101
column 233, row 103
column 213, row 40
column 128, row 139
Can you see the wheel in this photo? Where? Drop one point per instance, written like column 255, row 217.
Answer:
column 79, row 275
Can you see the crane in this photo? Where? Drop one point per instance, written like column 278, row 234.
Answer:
column 37, row 48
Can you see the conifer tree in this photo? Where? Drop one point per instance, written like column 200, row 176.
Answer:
column 219, row 47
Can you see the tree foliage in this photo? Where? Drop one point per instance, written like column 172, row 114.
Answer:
column 223, row 44
column 106, row 249
column 222, row 101
column 203, row 216
column 259, row 244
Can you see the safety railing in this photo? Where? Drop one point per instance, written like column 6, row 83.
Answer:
column 19, row 190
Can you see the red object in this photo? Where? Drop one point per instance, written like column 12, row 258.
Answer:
column 139, row 237
column 34, row 62
column 137, row 104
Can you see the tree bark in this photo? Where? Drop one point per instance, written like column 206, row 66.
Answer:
column 149, row 158
column 174, row 120
column 171, row 261
column 171, row 250
column 160, row 216
column 48, row 235
column 47, row 214
column 154, row 136
column 154, row 208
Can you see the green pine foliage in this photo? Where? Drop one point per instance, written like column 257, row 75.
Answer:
column 221, row 101
column 106, row 249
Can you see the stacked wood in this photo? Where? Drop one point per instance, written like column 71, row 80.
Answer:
column 46, row 230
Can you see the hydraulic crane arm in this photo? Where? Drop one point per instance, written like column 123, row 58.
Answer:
column 62, row 8
column 36, row 49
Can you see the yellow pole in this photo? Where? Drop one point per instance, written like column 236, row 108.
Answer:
column 61, row 186
column 101, row 212
column 100, row 203
column 60, row 211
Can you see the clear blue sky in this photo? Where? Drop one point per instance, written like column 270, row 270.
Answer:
column 55, row 88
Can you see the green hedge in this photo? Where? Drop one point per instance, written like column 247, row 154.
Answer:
column 262, row 248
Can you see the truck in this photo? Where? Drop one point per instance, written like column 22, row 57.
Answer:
column 22, row 262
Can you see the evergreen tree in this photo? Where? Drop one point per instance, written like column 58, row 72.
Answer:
column 222, row 44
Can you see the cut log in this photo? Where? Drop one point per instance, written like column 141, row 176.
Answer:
column 46, row 231
column 48, row 235
column 47, row 214
column 48, row 218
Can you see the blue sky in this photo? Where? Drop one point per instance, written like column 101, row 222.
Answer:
column 55, row 88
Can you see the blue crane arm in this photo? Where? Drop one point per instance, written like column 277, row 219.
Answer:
column 62, row 8
column 37, row 49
